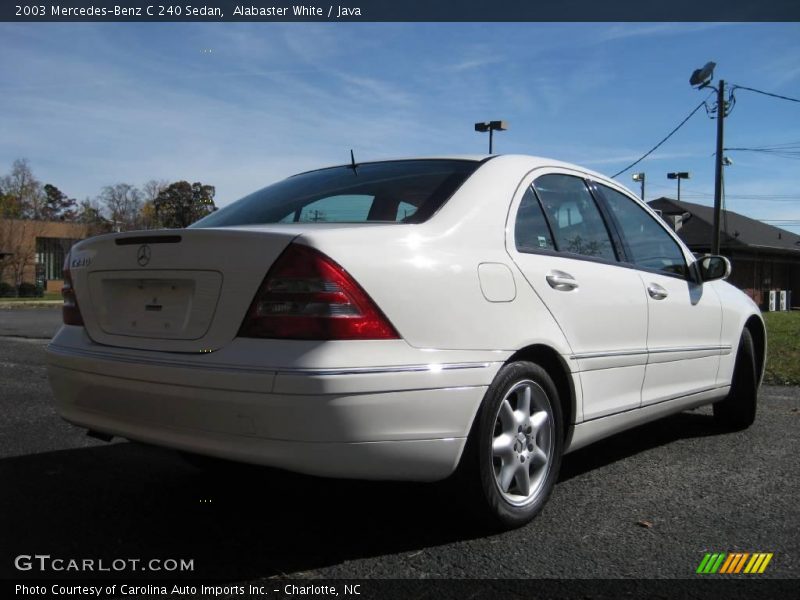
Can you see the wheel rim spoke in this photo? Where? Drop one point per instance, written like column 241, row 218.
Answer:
column 538, row 420
column 508, row 421
column 538, row 458
column 524, row 481
column 507, row 474
column 503, row 446
column 524, row 401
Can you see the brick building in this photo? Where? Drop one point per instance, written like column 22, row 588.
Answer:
column 763, row 257
column 33, row 251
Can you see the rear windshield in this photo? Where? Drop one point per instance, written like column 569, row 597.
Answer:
column 407, row 191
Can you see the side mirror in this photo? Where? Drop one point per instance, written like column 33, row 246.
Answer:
column 713, row 267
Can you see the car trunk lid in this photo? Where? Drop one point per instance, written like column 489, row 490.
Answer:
column 177, row 291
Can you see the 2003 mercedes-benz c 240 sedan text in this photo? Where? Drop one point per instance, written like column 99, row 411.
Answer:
column 406, row 320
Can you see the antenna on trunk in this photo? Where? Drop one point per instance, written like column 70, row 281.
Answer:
column 353, row 164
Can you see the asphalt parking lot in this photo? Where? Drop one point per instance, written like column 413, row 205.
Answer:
column 643, row 504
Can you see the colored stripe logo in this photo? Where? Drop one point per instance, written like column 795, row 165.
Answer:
column 733, row 563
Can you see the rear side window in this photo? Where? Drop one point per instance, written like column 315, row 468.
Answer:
column 647, row 243
column 407, row 191
column 577, row 225
column 531, row 232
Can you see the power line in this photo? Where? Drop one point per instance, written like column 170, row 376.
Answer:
column 787, row 150
column 698, row 194
column 785, row 145
column 749, row 89
column 669, row 135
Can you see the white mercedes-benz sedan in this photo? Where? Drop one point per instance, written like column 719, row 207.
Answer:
column 406, row 320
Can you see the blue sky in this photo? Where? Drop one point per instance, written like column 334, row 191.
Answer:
column 241, row 105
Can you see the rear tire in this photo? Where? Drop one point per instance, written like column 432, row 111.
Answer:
column 738, row 410
column 514, row 451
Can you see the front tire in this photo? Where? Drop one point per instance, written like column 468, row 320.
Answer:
column 738, row 410
column 516, row 445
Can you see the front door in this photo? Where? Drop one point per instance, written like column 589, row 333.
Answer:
column 684, row 317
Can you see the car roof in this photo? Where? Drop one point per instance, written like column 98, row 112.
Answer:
column 535, row 161
column 465, row 157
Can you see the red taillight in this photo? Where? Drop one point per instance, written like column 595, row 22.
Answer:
column 307, row 296
column 70, row 312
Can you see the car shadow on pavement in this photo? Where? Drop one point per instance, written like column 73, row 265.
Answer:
column 133, row 501
column 691, row 424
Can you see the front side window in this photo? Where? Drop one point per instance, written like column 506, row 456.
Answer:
column 649, row 246
column 577, row 225
column 406, row 191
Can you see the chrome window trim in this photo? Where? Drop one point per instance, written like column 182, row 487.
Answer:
column 431, row 367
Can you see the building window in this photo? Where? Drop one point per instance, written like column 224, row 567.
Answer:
column 50, row 253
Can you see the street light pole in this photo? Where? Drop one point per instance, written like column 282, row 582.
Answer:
column 640, row 177
column 718, row 166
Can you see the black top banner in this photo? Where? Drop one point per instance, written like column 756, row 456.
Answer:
column 402, row 10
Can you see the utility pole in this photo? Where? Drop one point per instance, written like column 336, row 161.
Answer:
column 721, row 109
column 701, row 78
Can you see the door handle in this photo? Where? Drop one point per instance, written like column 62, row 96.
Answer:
column 657, row 292
column 563, row 282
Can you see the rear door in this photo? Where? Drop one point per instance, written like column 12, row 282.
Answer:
column 564, row 249
column 685, row 317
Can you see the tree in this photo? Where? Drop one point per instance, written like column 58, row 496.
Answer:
column 153, row 188
column 6, row 204
column 90, row 214
column 57, row 206
column 22, row 192
column 148, row 216
column 182, row 203
column 123, row 203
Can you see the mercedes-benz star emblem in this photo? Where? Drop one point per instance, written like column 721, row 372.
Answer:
column 143, row 255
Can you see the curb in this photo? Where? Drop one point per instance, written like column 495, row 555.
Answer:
column 31, row 304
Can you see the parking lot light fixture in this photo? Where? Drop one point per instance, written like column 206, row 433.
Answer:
column 491, row 127
column 679, row 175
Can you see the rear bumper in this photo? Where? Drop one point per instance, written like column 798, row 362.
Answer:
column 400, row 422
